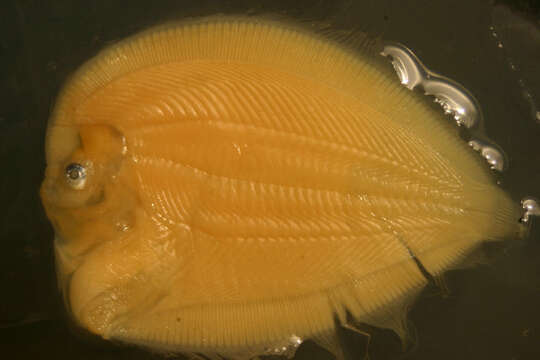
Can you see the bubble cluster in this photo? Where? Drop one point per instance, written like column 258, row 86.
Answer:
column 454, row 99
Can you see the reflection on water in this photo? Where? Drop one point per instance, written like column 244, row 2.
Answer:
column 489, row 312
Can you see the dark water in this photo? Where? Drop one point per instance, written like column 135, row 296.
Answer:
column 491, row 311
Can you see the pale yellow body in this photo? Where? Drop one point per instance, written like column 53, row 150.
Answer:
column 247, row 182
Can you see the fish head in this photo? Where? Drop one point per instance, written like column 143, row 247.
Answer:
column 102, row 254
column 83, row 192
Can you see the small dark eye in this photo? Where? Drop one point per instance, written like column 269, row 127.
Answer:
column 76, row 175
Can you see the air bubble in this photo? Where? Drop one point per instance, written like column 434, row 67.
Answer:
column 453, row 97
column 530, row 208
column 410, row 70
column 295, row 340
column 493, row 156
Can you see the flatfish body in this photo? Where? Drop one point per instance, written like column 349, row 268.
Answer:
column 233, row 185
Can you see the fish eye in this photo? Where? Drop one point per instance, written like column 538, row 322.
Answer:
column 75, row 175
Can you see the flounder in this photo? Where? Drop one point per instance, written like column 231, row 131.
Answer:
column 226, row 186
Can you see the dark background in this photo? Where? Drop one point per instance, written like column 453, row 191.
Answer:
column 490, row 312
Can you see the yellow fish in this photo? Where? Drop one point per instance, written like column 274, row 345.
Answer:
column 231, row 186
